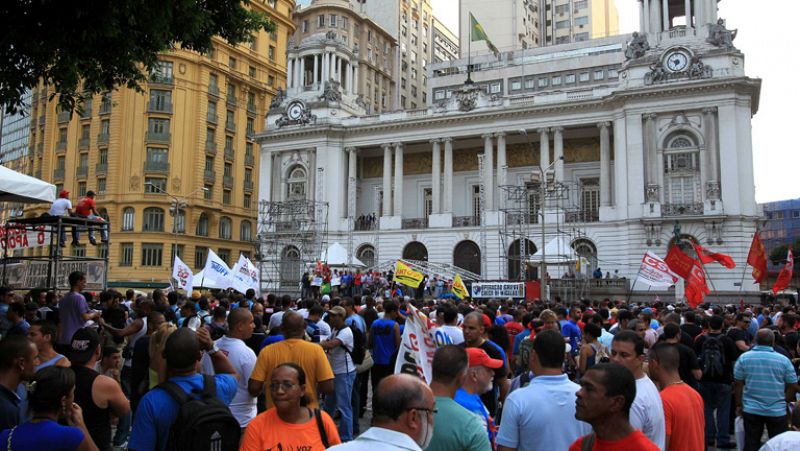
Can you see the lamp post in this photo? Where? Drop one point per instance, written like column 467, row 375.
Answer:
column 177, row 206
column 542, row 194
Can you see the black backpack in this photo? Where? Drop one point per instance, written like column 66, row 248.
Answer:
column 712, row 357
column 203, row 423
column 359, row 351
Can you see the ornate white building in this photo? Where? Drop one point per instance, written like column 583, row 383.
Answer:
column 636, row 134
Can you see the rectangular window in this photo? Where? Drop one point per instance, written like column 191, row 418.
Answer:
column 570, row 78
column 333, row 21
column 157, row 155
column 556, row 80
column 224, row 255
column 251, row 72
column 612, row 73
column 162, row 72
column 79, row 251
column 211, row 137
column 271, row 53
column 85, row 129
column 226, row 196
column 599, row 74
column 61, row 162
column 152, row 185
column 562, row 24
column 247, row 200
column 305, row 26
column 209, row 166
column 208, row 193
column 227, row 170
column 321, row 21
column 583, row 20
column 476, row 203
column 126, row 254
column 200, row 256
column 345, row 23
column 232, row 62
column 796, row 214
column 584, row 76
column 102, row 250
column 83, row 160
column 155, row 125
column 62, row 135
column 152, row 254
column 229, row 123
column 160, row 100
column 542, row 82
column 581, row 4
column 172, row 251
column 81, row 188
column 579, row 37
column 562, row 9
column 270, row 80
column 212, row 81
column 101, row 185
column 102, row 156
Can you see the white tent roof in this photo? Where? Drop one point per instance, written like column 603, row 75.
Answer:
column 336, row 255
column 557, row 251
column 16, row 187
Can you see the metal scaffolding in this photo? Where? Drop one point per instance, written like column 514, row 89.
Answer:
column 291, row 237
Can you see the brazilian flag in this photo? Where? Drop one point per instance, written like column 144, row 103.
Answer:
column 478, row 34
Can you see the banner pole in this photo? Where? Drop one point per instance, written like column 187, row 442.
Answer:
column 633, row 285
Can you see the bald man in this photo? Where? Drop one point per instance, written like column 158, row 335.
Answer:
column 402, row 417
column 294, row 348
column 764, row 380
column 243, row 359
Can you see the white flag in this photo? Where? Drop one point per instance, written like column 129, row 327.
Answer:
column 216, row 273
column 245, row 275
column 182, row 276
column 417, row 347
column 654, row 272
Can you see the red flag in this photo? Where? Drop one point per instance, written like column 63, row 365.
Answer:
column 757, row 258
column 785, row 275
column 696, row 288
column 708, row 256
column 680, row 263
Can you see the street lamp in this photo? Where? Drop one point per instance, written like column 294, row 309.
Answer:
column 177, row 206
column 542, row 193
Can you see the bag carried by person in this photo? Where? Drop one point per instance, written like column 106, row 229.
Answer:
column 359, row 346
column 712, row 358
column 202, row 423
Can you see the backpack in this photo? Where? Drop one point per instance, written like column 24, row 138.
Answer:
column 712, row 357
column 203, row 423
column 359, row 346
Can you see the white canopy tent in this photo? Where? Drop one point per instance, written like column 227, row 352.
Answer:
column 557, row 252
column 16, row 187
column 336, row 255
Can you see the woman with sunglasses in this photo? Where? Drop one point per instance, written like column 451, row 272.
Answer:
column 290, row 424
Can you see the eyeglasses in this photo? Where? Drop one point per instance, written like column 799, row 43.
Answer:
column 286, row 386
column 425, row 409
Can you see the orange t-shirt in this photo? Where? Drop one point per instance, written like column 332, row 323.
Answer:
column 683, row 417
column 268, row 431
column 635, row 440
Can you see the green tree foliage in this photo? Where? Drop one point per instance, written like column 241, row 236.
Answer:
column 778, row 255
column 85, row 47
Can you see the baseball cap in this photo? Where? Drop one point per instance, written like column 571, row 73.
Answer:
column 63, row 193
column 195, row 294
column 487, row 322
column 479, row 357
column 338, row 310
column 647, row 311
column 325, row 298
column 83, row 345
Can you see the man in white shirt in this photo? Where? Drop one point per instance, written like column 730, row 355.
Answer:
column 62, row 207
column 339, row 346
column 647, row 411
column 243, row 359
column 447, row 333
column 402, row 417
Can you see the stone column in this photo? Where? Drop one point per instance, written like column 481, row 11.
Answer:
column 558, row 152
column 712, row 169
column 290, row 73
column 646, row 16
column 448, row 175
column 324, row 57
column 398, row 179
column 387, row 179
column 642, row 25
column 605, row 164
column 302, row 72
column 687, row 7
column 544, row 148
column 355, row 79
column 349, row 78
column 488, row 171
column 351, row 181
column 337, row 68
column 502, row 165
column 316, row 71
column 665, row 15
column 265, row 188
column 651, row 169
column 436, row 177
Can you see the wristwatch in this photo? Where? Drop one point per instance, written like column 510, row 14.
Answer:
column 214, row 349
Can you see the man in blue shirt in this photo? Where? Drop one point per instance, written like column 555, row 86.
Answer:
column 762, row 379
column 383, row 341
column 158, row 410
column 478, row 381
column 571, row 331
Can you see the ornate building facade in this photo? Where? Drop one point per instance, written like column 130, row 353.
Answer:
column 610, row 146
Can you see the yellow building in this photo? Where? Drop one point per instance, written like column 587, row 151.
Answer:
column 190, row 135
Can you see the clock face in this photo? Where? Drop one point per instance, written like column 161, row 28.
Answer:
column 676, row 61
column 295, row 110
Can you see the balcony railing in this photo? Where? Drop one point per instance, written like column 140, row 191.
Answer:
column 58, row 174
column 248, row 185
column 83, row 143
column 362, row 223
column 102, row 139
column 415, row 223
column 582, row 216
column 230, row 126
column 229, row 155
column 231, row 100
column 522, row 218
column 87, row 111
column 156, row 79
column 156, row 166
column 82, row 171
column 251, row 107
column 249, row 160
column 213, row 90
column 211, row 148
column 63, row 117
column 682, row 209
column 101, row 168
column 159, row 107
column 61, row 146
column 105, row 108
column 466, row 221
column 209, row 176
column 157, row 137
column 227, row 181
column 250, row 133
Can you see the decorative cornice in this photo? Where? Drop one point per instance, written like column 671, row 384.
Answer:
column 604, row 124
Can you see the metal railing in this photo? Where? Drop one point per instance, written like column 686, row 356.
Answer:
column 581, row 216
column 157, row 137
column 101, row 168
column 159, row 107
column 227, row 181
column 231, row 100
column 156, row 79
column 156, row 166
column 211, row 117
column 209, row 176
column 64, row 117
column 84, row 143
column 466, row 221
column 249, row 160
column 414, row 223
column 82, row 171
column 682, row 209
column 102, row 138
column 61, row 145
column 211, row 148
column 213, row 90
column 230, row 126
column 229, row 155
column 58, row 174
column 248, row 185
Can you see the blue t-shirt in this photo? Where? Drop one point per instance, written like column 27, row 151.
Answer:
column 518, row 339
column 268, row 340
column 473, row 403
column 383, row 344
column 157, row 410
column 358, row 321
column 46, row 434
column 573, row 332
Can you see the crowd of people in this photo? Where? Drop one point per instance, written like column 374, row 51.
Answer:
column 225, row 370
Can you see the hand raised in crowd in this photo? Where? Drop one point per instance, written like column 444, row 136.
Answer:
column 204, row 339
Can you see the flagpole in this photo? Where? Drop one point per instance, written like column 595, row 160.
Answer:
column 710, row 280
column 469, row 54
column 633, row 285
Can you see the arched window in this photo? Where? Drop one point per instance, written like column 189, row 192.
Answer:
column 366, row 254
column 291, row 266
column 682, row 187
column 245, row 231
column 296, row 183
column 128, row 219
column 179, row 222
column 153, row 220
column 587, row 253
column 202, row 225
column 225, row 228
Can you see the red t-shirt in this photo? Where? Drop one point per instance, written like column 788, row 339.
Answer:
column 683, row 417
column 633, row 441
column 85, row 206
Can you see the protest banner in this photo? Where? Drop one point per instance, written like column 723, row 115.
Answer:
column 498, row 290
column 406, row 276
column 417, row 346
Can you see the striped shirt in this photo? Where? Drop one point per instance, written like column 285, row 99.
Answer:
column 765, row 374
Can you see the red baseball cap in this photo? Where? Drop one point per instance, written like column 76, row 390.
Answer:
column 63, row 193
column 479, row 357
column 487, row 322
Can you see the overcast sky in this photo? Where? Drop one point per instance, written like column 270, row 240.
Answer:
column 765, row 42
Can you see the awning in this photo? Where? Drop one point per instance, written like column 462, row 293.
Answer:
column 16, row 187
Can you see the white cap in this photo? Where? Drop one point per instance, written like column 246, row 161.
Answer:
column 325, row 298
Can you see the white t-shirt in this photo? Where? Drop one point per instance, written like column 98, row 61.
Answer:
column 60, row 207
column 340, row 360
column 647, row 412
column 787, row 441
column 275, row 320
column 447, row 335
column 243, row 359
column 324, row 330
